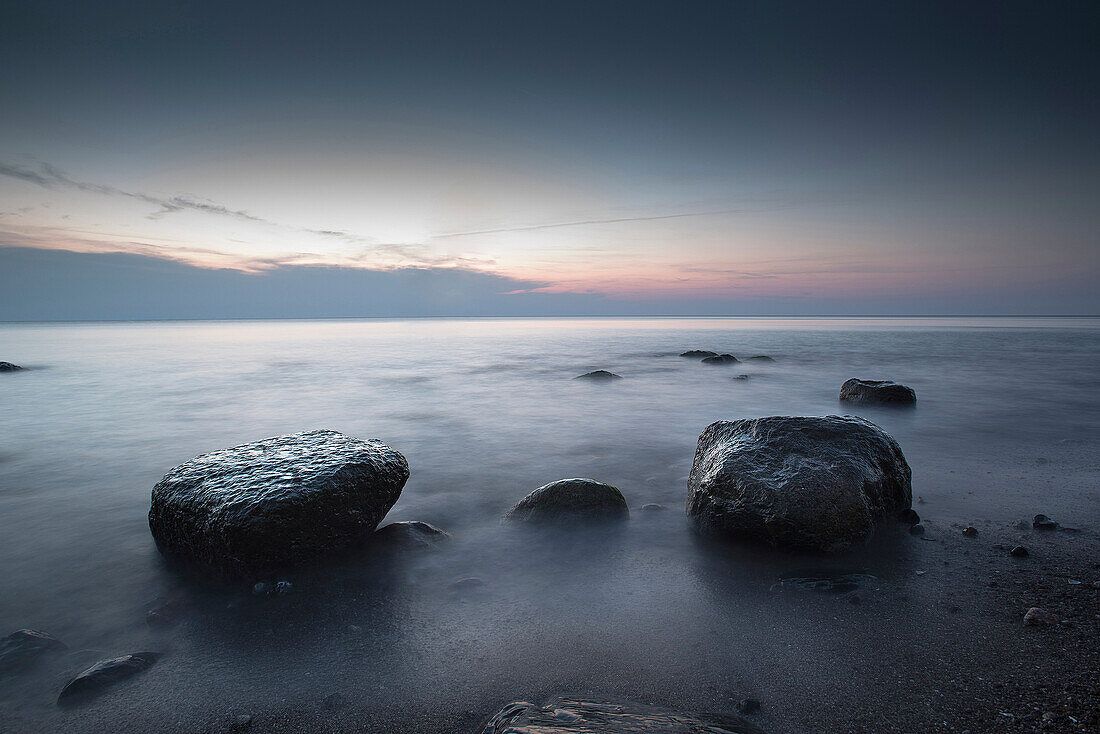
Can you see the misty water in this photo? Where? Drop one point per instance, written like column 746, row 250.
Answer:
column 1007, row 424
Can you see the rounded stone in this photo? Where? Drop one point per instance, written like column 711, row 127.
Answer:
column 266, row 505
column 568, row 500
column 876, row 391
column 815, row 483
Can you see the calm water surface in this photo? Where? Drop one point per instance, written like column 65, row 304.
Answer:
column 1007, row 425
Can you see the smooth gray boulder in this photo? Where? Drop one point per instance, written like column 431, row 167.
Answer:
column 576, row 716
column 103, row 675
column 568, row 500
column 9, row 367
column 23, row 647
column 599, row 376
column 262, row 506
column 817, row 484
column 876, row 391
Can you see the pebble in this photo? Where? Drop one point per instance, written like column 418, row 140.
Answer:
column 283, row 587
column 653, row 507
column 970, row 531
column 1042, row 522
column 244, row 721
column 1019, row 552
column 748, row 706
column 1037, row 617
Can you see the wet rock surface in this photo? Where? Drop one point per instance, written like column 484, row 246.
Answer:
column 599, row 376
column 409, row 535
column 104, row 674
column 576, row 716
column 761, row 358
column 876, row 391
column 23, row 647
column 818, row 483
column 9, row 367
column 1042, row 522
column 569, row 500
column 273, row 503
column 699, row 354
column 721, row 359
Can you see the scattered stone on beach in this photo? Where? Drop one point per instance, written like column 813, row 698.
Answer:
column 570, row 500
column 599, row 376
column 761, row 358
column 741, row 377
column 104, row 674
column 721, row 359
column 917, row 529
column 876, row 391
column 1019, row 552
column 748, row 705
column 409, row 535
column 699, row 354
column 23, row 647
column 816, row 483
column 269, row 504
column 653, row 507
column 1036, row 617
column 908, row 516
column 9, row 367
column 970, row 531
column 283, row 587
column 573, row 716
column 1042, row 522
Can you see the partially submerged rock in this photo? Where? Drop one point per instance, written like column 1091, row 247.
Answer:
column 23, row 647
column 599, row 376
column 575, row 716
column 411, row 535
column 721, row 359
column 699, row 354
column 569, row 500
column 876, row 391
column 819, row 483
column 1042, row 522
column 265, row 505
column 761, row 358
column 105, row 674
column 9, row 367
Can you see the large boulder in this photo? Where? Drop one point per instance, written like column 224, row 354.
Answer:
column 876, row 391
column 811, row 483
column 9, row 367
column 570, row 499
column 575, row 716
column 266, row 505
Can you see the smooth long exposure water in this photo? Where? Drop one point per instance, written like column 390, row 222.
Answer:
column 1007, row 424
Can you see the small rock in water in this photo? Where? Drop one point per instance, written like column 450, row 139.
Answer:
column 653, row 507
column 1019, row 552
column 826, row 581
column 411, row 535
column 761, row 358
column 104, row 674
column 970, row 531
column 721, row 359
column 23, row 647
column 909, row 516
column 599, row 376
column 262, row 588
column 876, row 391
column 467, row 584
column 742, row 377
column 748, row 706
column 1042, row 522
column 1037, row 617
column 698, row 354
column 570, row 500
column 283, row 587
column 9, row 367
column 917, row 529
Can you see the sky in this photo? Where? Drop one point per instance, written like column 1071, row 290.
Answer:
column 219, row 160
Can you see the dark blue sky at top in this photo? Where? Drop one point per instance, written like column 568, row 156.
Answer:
column 997, row 100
